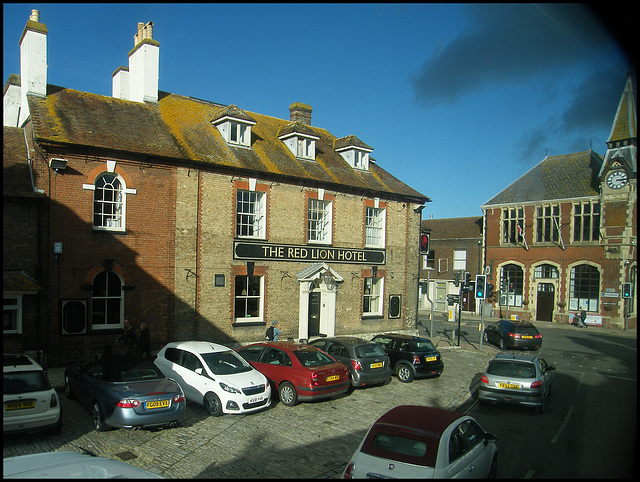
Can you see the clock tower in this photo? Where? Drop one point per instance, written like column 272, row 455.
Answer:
column 619, row 201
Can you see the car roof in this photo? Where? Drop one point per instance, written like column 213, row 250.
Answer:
column 19, row 363
column 402, row 336
column 417, row 417
column 351, row 340
column 285, row 345
column 519, row 323
column 198, row 346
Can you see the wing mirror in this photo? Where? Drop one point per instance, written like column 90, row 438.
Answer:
column 199, row 371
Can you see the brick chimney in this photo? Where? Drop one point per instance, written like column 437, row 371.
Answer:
column 139, row 82
column 33, row 63
column 300, row 113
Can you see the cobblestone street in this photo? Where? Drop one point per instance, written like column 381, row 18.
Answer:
column 309, row 440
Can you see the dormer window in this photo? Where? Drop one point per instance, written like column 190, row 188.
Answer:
column 354, row 151
column 234, row 125
column 300, row 140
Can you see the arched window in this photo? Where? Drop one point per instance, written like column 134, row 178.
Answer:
column 511, row 279
column 584, row 289
column 106, row 301
column 546, row 271
column 108, row 202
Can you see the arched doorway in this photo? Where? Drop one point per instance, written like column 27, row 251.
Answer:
column 545, row 302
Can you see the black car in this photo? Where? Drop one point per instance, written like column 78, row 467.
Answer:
column 368, row 363
column 513, row 334
column 411, row 356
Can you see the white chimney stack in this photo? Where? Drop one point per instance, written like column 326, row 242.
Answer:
column 33, row 63
column 139, row 82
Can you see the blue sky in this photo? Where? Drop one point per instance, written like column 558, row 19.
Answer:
column 457, row 100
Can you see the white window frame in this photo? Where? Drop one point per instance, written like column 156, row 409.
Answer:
column 305, row 148
column 459, row 259
column 319, row 221
column 260, row 298
column 256, row 217
column 375, row 227
column 106, row 298
column 373, row 291
column 115, row 221
column 15, row 310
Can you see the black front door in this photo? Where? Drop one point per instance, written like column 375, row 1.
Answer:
column 314, row 313
column 545, row 302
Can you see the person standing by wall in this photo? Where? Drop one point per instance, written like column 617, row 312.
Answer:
column 144, row 341
column 129, row 338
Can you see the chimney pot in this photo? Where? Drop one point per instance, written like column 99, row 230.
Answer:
column 35, row 15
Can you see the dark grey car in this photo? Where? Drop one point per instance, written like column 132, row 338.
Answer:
column 368, row 363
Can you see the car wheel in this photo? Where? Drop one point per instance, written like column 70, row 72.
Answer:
column 287, row 393
column 493, row 471
column 404, row 373
column 212, row 404
column 98, row 419
column 501, row 344
column 485, row 337
column 67, row 387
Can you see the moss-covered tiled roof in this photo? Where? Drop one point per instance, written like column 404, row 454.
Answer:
column 559, row 177
column 19, row 281
column 453, row 228
column 180, row 128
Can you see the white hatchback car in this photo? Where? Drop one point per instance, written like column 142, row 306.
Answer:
column 411, row 441
column 30, row 403
column 214, row 376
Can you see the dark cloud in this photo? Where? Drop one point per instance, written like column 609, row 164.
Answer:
column 507, row 42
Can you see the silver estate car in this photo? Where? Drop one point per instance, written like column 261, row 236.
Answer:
column 518, row 379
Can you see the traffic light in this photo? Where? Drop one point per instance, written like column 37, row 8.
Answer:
column 467, row 279
column 626, row 290
column 480, row 286
column 456, row 279
column 489, row 291
column 424, row 243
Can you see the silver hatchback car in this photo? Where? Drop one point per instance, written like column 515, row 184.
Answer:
column 519, row 379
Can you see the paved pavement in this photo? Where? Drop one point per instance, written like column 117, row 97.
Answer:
column 309, row 440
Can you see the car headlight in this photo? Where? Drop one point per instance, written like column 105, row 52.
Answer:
column 228, row 388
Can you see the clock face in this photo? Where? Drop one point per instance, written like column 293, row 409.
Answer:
column 617, row 179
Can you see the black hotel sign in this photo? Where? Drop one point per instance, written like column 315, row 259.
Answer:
column 287, row 252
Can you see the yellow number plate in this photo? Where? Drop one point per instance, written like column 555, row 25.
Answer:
column 19, row 405
column 527, row 336
column 509, row 385
column 158, row 404
column 431, row 358
column 376, row 365
column 333, row 377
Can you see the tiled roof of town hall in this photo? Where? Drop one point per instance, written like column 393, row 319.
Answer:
column 16, row 178
column 179, row 128
column 453, row 228
column 559, row 177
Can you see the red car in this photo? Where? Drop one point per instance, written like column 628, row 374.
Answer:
column 298, row 371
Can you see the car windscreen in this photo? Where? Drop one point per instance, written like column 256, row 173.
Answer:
column 370, row 349
column 225, row 363
column 512, row 368
column 130, row 370
column 25, row 382
column 423, row 345
column 402, row 446
column 313, row 358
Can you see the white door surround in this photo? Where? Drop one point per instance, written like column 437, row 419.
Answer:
column 318, row 277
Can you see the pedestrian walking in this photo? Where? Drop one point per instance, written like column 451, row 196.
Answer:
column 273, row 331
column 583, row 316
column 144, row 341
column 129, row 338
